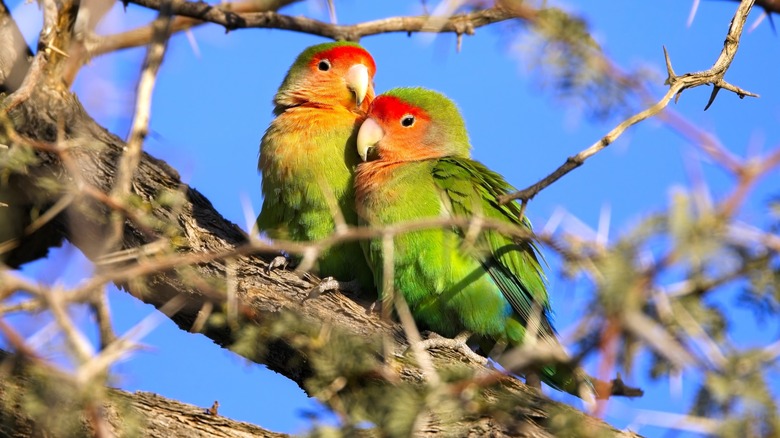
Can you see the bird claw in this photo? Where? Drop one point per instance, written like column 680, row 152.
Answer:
column 278, row 261
column 533, row 380
column 457, row 343
column 375, row 307
column 330, row 284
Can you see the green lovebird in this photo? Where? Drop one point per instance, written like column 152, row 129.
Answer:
column 308, row 157
column 416, row 152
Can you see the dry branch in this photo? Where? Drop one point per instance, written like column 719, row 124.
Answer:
column 677, row 84
column 459, row 24
column 144, row 413
column 262, row 297
column 48, row 115
column 51, row 115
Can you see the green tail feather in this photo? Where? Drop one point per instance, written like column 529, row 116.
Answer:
column 572, row 380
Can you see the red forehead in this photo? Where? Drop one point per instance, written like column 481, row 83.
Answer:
column 389, row 108
column 350, row 55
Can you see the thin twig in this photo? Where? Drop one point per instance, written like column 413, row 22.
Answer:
column 677, row 84
column 459, row 24
column 79, row 344
column 139, row 129
column 102, row 311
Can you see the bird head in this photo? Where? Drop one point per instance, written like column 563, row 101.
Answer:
column 335, row 74
column 412, row 124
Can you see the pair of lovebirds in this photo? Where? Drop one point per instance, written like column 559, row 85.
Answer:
column 399, row 157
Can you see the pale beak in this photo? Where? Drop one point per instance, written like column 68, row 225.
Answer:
column 357, row 81
column 369, row 135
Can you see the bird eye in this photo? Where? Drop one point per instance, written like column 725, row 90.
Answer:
column 324, row 65
column 407, row 120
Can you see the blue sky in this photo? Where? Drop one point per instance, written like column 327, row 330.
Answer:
column 212, row 104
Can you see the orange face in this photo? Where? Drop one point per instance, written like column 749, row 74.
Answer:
column 341, row 75
column 396, row 131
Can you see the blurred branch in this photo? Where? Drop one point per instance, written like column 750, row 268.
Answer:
column 188, row 261
column 53, row 40
column 677, row 84
column 33, row 76
column 24, row 379
column 14, row 59
column 140, row 124
column 153, row 270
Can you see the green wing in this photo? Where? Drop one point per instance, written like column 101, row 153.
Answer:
column 471, row 189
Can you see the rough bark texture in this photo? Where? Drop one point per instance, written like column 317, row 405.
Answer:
column 125, row 414
column 262, row 298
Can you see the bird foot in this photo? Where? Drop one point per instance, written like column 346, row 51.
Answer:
column 457, row 343
column 330, row 284
column 533, row 380
column 279, row 261
column 375, row 307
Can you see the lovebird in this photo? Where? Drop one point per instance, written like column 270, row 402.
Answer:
column 417, row 165
column 308, row 155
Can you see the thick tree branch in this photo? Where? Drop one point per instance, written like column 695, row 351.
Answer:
column 14, row 59
column 146, row 414
column 263, row 299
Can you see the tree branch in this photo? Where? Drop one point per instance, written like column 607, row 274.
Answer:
column 459, row 24
column 677, row 84
column 98, row 45
column 264, row 300
column 14, row 60
column 769, row 6
column 24, row 380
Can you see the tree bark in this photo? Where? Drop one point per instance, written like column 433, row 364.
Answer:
column 23, row 386
column 266, row 317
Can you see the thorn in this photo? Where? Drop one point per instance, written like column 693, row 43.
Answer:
column 669, row 70
column 523, row 205
column 758, row 21
column 375, row 307
column 713, row 95
column 332, row 12
column 692, row 15
column 677, row 96
column 55, row 49
column 193, row 42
